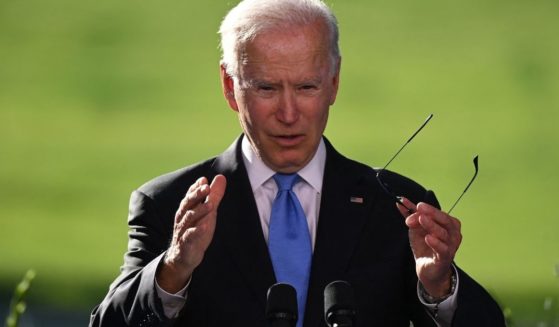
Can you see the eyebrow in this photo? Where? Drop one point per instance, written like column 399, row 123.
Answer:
column 314, row 80
column 261, row 82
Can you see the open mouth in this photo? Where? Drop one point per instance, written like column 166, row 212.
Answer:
column 289, row 140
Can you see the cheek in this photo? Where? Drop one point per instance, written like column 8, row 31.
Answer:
column 321, row 123
column 244, row 113
column 325, row 118
column 319, row 116
column 258, row 111
column 253, row 117
column 248, row 125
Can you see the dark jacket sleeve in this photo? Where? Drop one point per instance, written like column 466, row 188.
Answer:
column 475, row 307
column 132, row 298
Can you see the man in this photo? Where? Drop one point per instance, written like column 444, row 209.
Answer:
column 208, row 258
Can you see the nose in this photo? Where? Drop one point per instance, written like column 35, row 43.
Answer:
column 287, row 111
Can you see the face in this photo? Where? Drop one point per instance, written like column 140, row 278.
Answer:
column 282, row 94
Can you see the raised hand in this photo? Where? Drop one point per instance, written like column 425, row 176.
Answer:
column 434, row 238
column 192, row 233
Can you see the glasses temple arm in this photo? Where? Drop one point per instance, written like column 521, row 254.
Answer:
column 409, row 140
column 468, row 186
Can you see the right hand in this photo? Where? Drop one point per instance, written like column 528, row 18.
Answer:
column 192, row 233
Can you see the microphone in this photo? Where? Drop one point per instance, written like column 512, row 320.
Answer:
column 339, row 304
column 281, row 308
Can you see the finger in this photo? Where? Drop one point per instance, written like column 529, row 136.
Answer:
column 215, row 193
column 406, row 207
column 442, row 251
column 433, row 228
column 196, row 232
column 217, row 190
column 206, row 199
column 451, row 224
column 193, row 216
column 192, row 200
column 455, row 234
column 411, row 217
column 442, row 241
column 197, row 183
column 196, row 194
column 440, row 217
column 204, row 216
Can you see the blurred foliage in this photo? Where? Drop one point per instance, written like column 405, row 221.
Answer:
column 98, row 97
column 548, row 315
column 18, row 305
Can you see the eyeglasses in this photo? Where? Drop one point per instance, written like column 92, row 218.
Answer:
column 397, row 198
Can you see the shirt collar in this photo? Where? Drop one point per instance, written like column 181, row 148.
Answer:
column 259, row 173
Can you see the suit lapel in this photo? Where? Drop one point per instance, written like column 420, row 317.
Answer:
column 239, row 226
column 345, row 207
column 346, row 204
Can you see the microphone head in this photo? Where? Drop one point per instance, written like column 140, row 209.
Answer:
column 282, row 303
column 339, row 301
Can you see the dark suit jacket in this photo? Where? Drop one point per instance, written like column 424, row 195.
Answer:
column 364, row 243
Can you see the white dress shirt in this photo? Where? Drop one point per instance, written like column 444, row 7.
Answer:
column 264, row 188
column 308, row 192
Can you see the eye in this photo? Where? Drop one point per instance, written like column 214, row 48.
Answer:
column 265, row 88
column 308, row 88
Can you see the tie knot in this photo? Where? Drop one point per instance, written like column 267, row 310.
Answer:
column 286, row 181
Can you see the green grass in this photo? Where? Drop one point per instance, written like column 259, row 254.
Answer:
column 96, row 98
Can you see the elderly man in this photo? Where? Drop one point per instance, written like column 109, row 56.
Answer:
column 283, row 205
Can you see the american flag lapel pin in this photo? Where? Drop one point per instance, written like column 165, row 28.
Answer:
column 356, row 199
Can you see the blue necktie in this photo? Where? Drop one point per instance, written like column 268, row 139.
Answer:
column 289, row 241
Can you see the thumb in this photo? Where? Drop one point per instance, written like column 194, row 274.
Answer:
column 217, row 190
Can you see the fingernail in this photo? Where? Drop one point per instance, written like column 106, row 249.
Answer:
column 411, row 220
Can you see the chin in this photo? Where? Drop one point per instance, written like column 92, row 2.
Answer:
column 288, row 166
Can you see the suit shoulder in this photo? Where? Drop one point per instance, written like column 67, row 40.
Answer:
column 177, row 181
column 343, row 165
column 398, row 184
column 370, row 173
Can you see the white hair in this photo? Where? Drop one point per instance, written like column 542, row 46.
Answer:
column 252, row 17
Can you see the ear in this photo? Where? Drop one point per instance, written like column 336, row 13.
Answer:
column 335, row 81
column 228, row 87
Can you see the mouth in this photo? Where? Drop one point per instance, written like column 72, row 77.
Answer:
column 289, row 140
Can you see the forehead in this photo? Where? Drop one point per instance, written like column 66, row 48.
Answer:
column 293, row 50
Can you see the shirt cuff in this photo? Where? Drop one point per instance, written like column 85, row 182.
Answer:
column 442, row 313
column 172, row 303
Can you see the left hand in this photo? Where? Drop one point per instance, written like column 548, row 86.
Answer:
column 434, row 238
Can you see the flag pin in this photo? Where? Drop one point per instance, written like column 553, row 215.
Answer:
column 356, row 199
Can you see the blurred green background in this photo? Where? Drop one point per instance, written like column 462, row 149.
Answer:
column 97, row 97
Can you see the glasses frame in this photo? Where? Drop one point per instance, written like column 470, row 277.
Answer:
column 398, row 199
